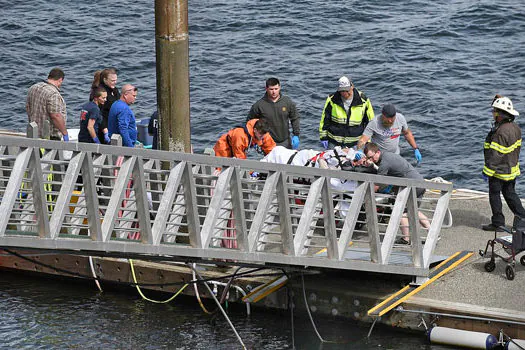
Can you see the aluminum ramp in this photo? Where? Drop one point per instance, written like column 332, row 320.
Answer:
column 133, row 202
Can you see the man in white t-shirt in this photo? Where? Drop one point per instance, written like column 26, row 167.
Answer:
column 386, row 130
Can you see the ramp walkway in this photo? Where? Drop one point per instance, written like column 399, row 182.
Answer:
column 122, row 201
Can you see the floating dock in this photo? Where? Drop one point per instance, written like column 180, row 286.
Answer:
column 466, row 297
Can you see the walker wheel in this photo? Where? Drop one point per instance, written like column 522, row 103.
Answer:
column 522, row 260
column 490, row 266
column 509, row 271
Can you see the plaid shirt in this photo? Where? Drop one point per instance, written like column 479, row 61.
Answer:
column 44, row 99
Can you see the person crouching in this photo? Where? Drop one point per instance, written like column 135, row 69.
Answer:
column 237, row 142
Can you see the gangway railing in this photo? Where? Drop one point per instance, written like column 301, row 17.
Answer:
column 123, row 201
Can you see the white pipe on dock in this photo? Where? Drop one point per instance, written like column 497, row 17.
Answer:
column 515, row 344
column 457, row 337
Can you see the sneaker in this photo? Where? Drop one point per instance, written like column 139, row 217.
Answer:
column 491, row 227
column 401, row 241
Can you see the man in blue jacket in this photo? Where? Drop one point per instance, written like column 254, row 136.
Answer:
column 121, row 119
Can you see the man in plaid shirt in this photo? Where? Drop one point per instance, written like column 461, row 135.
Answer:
column 44, row 102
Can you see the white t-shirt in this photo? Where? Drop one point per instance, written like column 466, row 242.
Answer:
column 386, row 138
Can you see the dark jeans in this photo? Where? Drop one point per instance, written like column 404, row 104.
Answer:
column 497, row 187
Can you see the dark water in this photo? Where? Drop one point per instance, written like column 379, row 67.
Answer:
column 52, row 314
column 440, row 62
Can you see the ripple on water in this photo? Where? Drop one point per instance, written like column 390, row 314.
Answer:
column 440, row 66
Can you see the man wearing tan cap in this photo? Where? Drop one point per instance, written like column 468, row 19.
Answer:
column 345, row 116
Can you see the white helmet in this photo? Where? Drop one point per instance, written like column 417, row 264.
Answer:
column 505, row 104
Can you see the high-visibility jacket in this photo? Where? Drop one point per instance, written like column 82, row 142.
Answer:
column 502, row 151
column 236, row 142
column 343, row 128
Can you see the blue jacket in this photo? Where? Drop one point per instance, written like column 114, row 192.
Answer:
column 121, row 120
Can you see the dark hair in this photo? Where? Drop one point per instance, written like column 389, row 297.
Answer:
column 56, row 74
column 372, row 147
column 262, row 126
column 272, row 82
column 98, row 91
column 96, row 79
column 105, row 73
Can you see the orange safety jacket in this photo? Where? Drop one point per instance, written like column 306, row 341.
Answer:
column 236, row 142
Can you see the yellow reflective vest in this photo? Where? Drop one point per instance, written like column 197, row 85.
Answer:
column 343, row 128
column 502, row 151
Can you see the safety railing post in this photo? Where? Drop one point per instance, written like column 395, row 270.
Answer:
column 192, row 212
column 371, row 222
column 285, row 219
column 329, row 221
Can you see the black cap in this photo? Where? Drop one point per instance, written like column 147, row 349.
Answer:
column 389, row 110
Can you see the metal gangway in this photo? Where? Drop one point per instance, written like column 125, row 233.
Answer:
column 118, row 201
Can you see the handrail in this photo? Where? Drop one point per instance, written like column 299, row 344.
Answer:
column 189, row 206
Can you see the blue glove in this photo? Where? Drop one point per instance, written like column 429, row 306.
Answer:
column 485, row 177
column 324, row 143
column 295, row 142
column 417, row 154
column 359, row 155
column 96, row 139
column 66, row 137
column 254, row 174
column 106, row 138
column 387, row 189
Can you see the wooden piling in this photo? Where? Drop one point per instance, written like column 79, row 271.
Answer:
column 173, row 93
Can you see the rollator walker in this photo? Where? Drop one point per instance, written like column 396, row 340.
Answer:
column 513, row 244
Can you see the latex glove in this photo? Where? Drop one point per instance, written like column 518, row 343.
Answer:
column 417, row 154
column 485, row 177
column 254, row 174
column 387, row 189
column 65, row 137
column 295, row 142
column 324, row 143
column 106, row 138
column 359, row 155
column 96, row 139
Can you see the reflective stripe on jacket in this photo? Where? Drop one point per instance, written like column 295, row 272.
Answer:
column 502, row 151
column 341, row 128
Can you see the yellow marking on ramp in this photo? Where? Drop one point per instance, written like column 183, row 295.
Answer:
column 409, row 290
column 265, row 289
column 324, row 249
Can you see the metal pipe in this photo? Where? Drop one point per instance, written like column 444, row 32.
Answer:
column 476, row 318
column 248, row 309
column 173, row 82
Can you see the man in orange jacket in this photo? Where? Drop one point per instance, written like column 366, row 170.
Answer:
column 236, row 142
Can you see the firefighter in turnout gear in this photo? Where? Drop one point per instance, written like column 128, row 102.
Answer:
column 502, row 152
